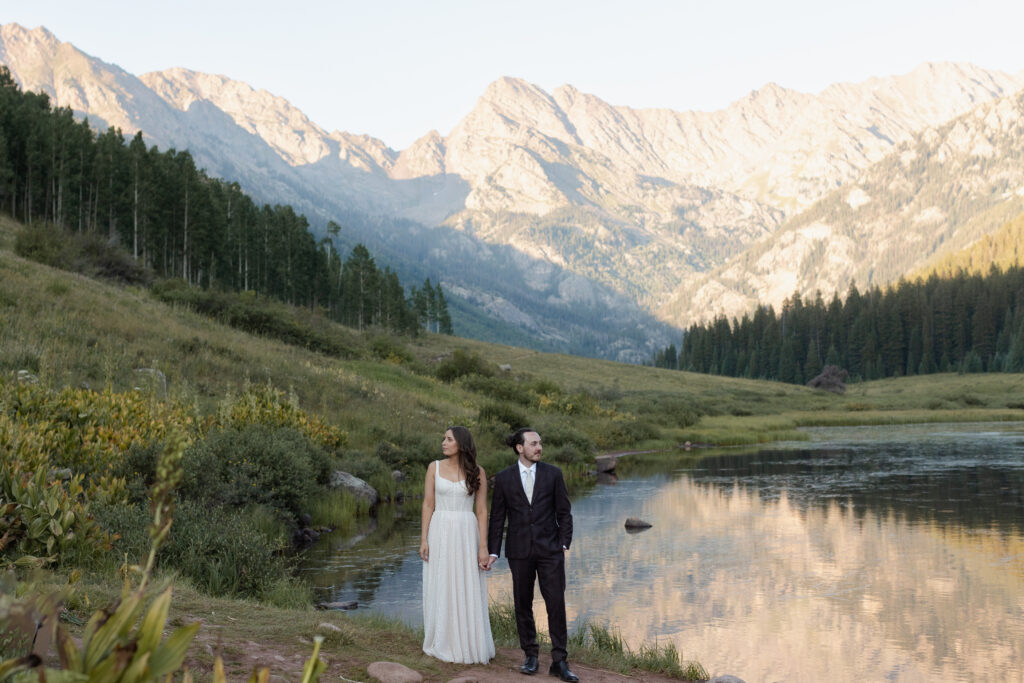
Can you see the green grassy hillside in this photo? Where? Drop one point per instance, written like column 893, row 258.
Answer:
column 71, row 351
column 73, row 331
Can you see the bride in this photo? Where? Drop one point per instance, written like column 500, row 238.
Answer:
column 453, row 546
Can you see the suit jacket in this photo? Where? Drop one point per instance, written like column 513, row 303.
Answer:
column 541, row 528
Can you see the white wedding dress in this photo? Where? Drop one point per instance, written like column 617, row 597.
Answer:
column 456, row 624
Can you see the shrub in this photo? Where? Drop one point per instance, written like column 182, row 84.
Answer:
column 463, row 363
column 625, row 432
column 220, row 551
column 223, row 553
column 569, row 454
column 129, row 525
column 89, row 253
column 258, row 464
column 42, row 516
column 571, row 404
column 263, row 404
column 503, row 413
column 245, row 311
column 370, row 469
column 138, row 468
column 497, row 388
column 387, row 349
column 545, row 387
column 42, row 243
column 85, row 430
column 559, row 432
column 409, row 450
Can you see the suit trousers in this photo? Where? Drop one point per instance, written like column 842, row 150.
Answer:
column 549, row 572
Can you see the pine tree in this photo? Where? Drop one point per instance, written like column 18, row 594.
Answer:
column 812, row 366
column 444, row 320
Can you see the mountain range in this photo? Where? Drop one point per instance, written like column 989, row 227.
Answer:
column 560, row 221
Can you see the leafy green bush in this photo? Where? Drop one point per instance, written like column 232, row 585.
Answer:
column 557, row 431
column 87, row 253
column 87, row 431
column 370, row 469
column 266, row 405
column 42, row 243
column 624, row 432
column 223, row 553
column 138, row 468
column 463, row 363
column 569, row 454
column 545, row 387
column 667, row 410
column 387, row 349
column 42, row 516
column 245, row 311
column 498, row 388
column 257, row 464
column 503, row 413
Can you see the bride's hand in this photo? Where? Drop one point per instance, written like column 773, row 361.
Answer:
column 483, row 559
column 424, row 551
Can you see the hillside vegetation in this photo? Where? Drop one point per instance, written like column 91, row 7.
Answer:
column 96, row 379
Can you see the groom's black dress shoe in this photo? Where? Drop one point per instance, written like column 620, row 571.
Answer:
column 529, row 667
column 561, row 669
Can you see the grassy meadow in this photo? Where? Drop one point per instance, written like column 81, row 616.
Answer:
column 97, row 377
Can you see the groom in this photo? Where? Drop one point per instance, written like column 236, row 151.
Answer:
column 532, row 496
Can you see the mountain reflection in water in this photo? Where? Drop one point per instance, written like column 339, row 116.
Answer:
column 874, row 554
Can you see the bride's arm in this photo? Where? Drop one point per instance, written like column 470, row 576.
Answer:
column 483, row 557
column 428, row 512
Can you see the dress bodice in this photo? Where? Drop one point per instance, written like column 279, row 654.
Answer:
column 450, row 496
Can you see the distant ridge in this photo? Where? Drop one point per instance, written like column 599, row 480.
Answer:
column 646, row 215
column 1002, row 249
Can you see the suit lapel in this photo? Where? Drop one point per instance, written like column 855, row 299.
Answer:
column 515, row 480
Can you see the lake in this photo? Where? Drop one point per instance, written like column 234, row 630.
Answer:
column 863, row 554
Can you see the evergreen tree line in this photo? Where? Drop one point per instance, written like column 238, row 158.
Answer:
column 181, row 223
column 965, row 323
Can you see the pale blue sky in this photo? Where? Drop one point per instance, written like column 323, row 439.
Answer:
column 396, row 69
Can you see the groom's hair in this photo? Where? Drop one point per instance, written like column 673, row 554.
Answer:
column 517, row 438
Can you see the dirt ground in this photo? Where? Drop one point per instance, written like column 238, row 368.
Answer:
column 285, row 661
column 505, row 669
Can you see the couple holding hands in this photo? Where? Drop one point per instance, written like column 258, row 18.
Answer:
column 458, row 544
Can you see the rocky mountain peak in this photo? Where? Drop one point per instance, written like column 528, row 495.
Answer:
column 632, row 201
column 509, row 106
column 285, row 128
column 424, row 157
column 40, row 37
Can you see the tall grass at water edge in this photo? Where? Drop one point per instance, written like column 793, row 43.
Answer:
column 602, row 647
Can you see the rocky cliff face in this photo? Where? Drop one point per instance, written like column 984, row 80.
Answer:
column 683, row 213
column 933, row 194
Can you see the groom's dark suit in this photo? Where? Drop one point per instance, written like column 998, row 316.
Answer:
column 537, row 534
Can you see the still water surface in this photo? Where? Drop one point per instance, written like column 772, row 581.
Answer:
column 864, row 554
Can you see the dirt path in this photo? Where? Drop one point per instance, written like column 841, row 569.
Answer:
column 505, row 669
column 286, row 660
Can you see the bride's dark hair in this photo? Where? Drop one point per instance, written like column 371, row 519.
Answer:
column 467, row 457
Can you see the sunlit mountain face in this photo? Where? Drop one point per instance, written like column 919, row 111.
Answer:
column 626, row 222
